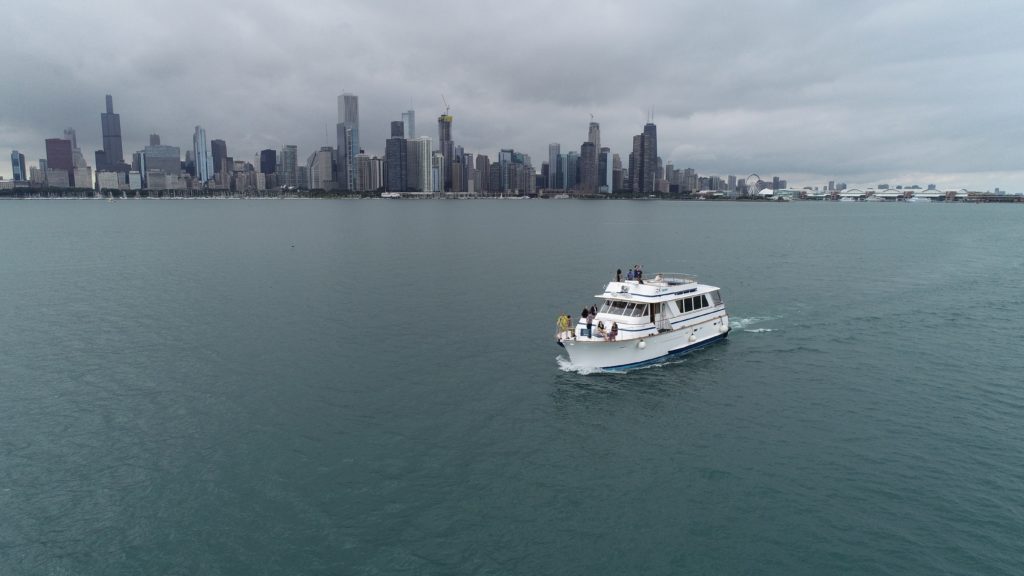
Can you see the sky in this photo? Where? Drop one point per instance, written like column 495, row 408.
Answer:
column 863, row 92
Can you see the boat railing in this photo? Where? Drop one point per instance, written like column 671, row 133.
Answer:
column 671, row 278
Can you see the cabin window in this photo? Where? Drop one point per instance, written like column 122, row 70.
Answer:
column 629, row 309
column 703, row 301
column 618, row 307
column 689, row 305
column 640, row 310
column 715, row 298
column 606, row 307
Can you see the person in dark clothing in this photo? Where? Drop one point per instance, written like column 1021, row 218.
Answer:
column 618, row 275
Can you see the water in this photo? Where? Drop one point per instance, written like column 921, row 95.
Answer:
column 372, row 387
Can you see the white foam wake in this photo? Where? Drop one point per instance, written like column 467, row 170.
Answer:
column 565, row 365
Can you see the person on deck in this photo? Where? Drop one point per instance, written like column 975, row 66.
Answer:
column 618, row 275
column 614, row 333
column 563, row 325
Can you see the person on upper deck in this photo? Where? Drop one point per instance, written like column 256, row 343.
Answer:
column 629, row 274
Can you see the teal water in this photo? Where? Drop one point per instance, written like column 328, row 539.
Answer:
column 372, row 387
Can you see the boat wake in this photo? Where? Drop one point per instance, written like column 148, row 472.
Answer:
column 745, row 323
column 566, row 365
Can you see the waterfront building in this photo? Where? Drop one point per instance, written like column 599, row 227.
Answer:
column 505, row 169
column 605, row 171
column 58, row 178
column 643, row 161
column 106, row 180
column 419, row 170
column 320, row 166
column 572, row 171
column 154, row 139
column 437, row 171
column 348, row 140
column 201, row 156
column 483, row 170
column 395, row 162
column 164, row 159
column 59, row 157
column 113, row 155
column 288, row 167
column 588, row 168
column 447, row 148
column 219, row 154
column 18, row 166
column 268, row 161
column 555, row 180
column 302, row 177
column 81, row 176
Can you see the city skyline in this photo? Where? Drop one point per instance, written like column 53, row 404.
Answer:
column 879, row 92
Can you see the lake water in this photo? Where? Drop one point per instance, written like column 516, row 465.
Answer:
column 373, row 387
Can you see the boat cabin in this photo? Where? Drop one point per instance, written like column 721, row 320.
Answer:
column 664, row 303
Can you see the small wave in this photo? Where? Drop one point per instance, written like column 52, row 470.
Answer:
column 565, row 365
column 760, row 330
column 742, row 323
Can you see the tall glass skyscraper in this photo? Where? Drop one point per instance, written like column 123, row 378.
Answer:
column 18, row 165
column 201, row 155
column 348, row 140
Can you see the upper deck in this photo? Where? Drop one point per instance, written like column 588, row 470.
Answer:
column 661, row 287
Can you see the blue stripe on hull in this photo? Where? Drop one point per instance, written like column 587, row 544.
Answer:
column 676, row 352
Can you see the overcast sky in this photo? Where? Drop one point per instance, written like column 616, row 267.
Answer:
column 810, row 90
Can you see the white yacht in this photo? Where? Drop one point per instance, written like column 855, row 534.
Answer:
column 652, row 320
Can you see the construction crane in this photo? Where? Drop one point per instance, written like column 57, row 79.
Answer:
column 446, row 117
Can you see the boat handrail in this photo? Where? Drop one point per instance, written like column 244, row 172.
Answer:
column 671, row 278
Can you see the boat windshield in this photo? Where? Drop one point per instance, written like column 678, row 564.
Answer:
column 624, row 308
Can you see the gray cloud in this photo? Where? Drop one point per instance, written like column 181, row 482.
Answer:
column 858, row 91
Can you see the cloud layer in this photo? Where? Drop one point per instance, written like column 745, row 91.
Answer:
column 864, row 92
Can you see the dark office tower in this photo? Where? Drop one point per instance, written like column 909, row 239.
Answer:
column 643, row 162
column 483, row 173
column 268, row 161
column 219, row 152
column 604, row 170
column 59, row 157
column 447, row 147
column 113, row 156
column 58, row 154
column 154, row 139
column 18, row 166
column 588, row 168
column 398, row 129
column 395, row 164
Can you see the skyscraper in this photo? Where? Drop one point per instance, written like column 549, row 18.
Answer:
column 201, row 156
column 594, row 135
column 409, row 118
column 588, row 168
column 418, row 158
column 268, row 161
column 483, row 173
column 219, row 152
column 447, row 148
column 554, row 151
column 18, row 166
column 348, row 140
column 113, row 155
column 643, row 162
column 288, row 166
column 396, row 159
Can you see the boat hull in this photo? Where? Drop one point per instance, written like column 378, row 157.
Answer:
column 625, row 355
